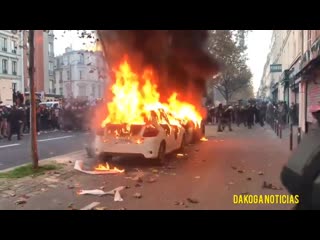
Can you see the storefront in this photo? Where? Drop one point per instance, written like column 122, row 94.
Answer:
column 313, row 94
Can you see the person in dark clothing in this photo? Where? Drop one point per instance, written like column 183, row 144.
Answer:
column 256, row 112
column 219, row 114
column 26, row 127
column 250, row 116
column 227, row 118
column 14, row 119
column 20, row 99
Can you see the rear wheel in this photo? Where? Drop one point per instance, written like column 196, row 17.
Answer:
column 161, row 158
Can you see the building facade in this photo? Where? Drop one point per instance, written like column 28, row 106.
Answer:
column 81, row 74
column 44, row 61
column 11, row 65
column 297, row 51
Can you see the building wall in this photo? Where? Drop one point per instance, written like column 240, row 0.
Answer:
column 81, row 74
column 42, row 75
column 11, row 53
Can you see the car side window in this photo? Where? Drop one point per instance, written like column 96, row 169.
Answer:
column 166, row 129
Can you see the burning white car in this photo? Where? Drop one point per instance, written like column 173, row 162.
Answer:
column 152, row 140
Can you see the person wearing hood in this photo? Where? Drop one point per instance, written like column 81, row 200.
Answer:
column 301, row 175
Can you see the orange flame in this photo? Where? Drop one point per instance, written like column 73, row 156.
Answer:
column 134, row 97
column 203, row 139
column 107, row 168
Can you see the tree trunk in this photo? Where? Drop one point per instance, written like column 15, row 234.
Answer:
column 33, row 113
column 227, row 96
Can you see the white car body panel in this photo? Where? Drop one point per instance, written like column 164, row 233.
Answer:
column 148, row 147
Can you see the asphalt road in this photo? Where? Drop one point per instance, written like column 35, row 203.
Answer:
column 232, row 163
column 14, row 153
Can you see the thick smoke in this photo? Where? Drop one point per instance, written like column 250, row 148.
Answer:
column 179, row 57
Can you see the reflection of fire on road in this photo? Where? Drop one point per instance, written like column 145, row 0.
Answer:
column 136, row 98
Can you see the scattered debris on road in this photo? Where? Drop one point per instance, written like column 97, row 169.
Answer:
column 249, row 178
column 260, row 173
column 100, row 170
column 70, row 187
column 21, row 201
column 230, row 183
column 139, row 180
column 152, row 180
column 115, row 192
column 90, row 206
column 100, row 208
column 197, row 177
column 196, row 150
column 270, row 186
column 137, row 195
column 138, row 177
column 179, row 203
column 192, row 200
column 240, row 171
column 52, row 180
column 137, row 185
column 96, row 192
column 155, row 171
column 101, row 188
column 234, row 168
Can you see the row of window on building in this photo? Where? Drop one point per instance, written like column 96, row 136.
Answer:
column 4, row 45
column 5, row 65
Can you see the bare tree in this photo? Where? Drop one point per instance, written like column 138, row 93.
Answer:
column 228, row 47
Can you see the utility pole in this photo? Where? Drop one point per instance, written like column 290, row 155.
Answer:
column 33, row 113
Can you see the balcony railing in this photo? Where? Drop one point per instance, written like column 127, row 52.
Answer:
column 14, row 73
column 4, row 49
column 14, row 51
column 5, row 71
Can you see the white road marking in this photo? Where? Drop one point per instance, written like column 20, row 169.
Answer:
column 10, row 145
column 51, row 139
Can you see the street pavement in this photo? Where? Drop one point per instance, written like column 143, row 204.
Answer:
column 50, row 144
column 213, row 171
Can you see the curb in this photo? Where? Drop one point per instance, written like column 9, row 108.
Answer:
column 46, row 160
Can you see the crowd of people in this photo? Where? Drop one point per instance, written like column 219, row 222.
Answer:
column 64, row 115
column 252, row 113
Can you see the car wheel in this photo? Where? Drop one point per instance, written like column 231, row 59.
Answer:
column 161, row 159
